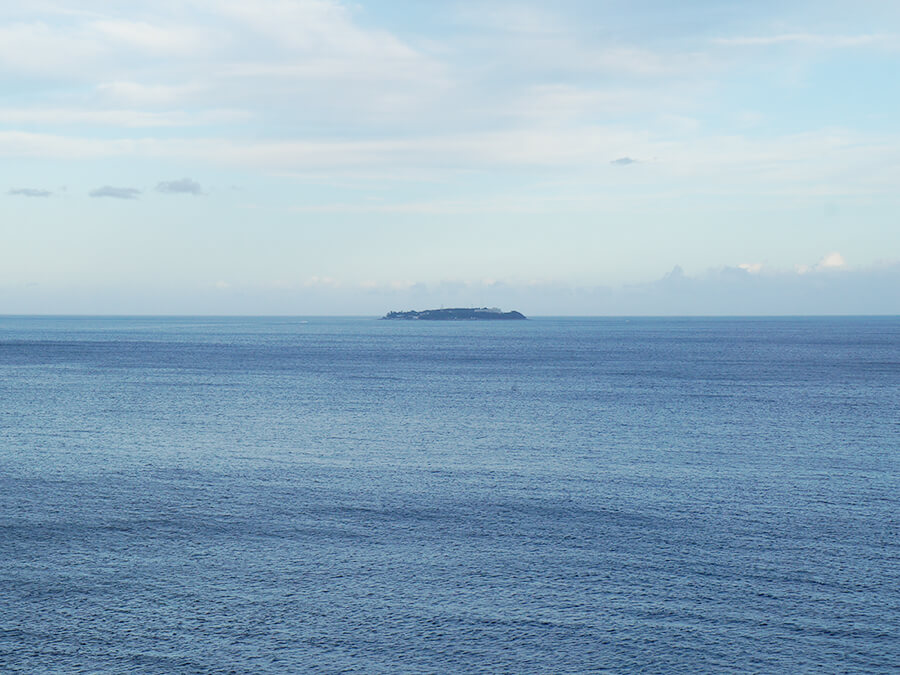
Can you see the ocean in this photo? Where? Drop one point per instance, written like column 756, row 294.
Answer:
column 348, row 495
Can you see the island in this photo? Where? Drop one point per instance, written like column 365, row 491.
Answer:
column 456, row 314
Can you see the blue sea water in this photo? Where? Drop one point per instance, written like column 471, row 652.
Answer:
column 251, row 495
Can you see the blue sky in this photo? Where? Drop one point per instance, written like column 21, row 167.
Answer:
column 315, row 156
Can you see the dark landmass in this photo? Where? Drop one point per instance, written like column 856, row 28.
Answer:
column 456, row 314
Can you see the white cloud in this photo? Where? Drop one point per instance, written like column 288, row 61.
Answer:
column 315, row 26
column 82, row 47
column 153, row 95
column 319, row 43
column 832, row 261
column 270, row 53
column 26, row 144
column 811, row 40
column 158, row 39
column 316, row 281
column 817, row 163
column 38, row 48
column 126, row 118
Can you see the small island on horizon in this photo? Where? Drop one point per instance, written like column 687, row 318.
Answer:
column 457, row 314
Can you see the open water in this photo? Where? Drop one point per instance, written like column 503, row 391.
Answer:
column 350, row 495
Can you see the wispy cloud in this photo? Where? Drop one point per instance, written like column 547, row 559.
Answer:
column 266, row 53
column 30, row 192
column 116, row 192
column 157, row 39
column 118, row 117
column 39, row 48
column 624, row 161
column 60, row 146
column 810, row 39
column 184, row 186
column 150, row 94
column 514, row 18
column 820, row 163
column 322, row 282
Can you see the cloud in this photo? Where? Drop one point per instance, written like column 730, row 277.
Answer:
column 115, row 117
column 828, row 163
column 558, row 103
column 265, row 56
column 115, row 192
column 624, row 161
column 518, row 18
column 25, row 144
column 30, row 192
column 316, row 281
column 141, row 94
column 38, row 48
column 184, row 186
column 808, row 39
column 524, row 37
column 724, row 291
column 82, row 46
column 315, row 27
column 832, row 261
column 157, row 39
column 741, row 291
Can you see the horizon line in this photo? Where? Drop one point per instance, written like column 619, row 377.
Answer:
column 375, row 316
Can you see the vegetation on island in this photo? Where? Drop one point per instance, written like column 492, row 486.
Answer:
column 456, row 314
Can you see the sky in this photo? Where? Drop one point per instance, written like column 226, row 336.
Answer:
column 583, row 157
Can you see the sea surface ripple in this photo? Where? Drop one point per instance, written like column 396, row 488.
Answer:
column 190, row 495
